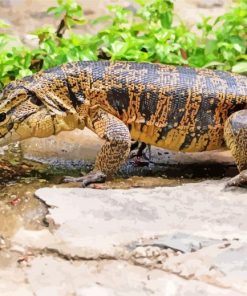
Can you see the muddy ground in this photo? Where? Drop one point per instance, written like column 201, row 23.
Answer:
column 169, row 227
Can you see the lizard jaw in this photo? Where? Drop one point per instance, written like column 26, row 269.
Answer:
column 39, row 124
column 10, row 137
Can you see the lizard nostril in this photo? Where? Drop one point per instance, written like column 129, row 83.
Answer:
column 2, row 116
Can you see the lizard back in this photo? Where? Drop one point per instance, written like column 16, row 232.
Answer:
column 174, row 107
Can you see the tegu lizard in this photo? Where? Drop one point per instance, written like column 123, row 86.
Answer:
column 173, row 107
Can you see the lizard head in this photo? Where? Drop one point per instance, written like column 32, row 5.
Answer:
column 22, row 115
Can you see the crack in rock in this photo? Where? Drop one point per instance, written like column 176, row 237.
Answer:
column 68, row 257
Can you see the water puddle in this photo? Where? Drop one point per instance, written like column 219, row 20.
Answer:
column 19, row 208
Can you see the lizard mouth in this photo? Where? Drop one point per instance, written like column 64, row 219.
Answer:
column 9, row 137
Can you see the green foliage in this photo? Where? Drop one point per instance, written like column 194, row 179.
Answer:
column 14, row 61
column 144, row 34
column 71, row 11
column 224, row 41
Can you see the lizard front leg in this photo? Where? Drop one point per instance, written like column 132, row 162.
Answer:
column 115, row 150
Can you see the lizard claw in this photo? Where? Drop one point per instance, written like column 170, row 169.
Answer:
column 69, row 179
column 93, row 177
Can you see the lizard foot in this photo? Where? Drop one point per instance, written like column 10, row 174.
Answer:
column 140, row 159
column 93, row 177
column 240, row 180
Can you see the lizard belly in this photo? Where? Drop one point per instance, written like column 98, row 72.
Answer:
column 178, row 139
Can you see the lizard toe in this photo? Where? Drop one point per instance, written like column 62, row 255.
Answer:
column 239, row 181
column 69, row 179
column 93, row 177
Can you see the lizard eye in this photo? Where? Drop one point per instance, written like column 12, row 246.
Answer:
column 2, row 116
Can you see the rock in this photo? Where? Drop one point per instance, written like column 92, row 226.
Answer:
column 237, row 255
column 142, row 252
column 95, row 291
column 223, row 265
column 209, row 3
column 184, row 242
column 93, row 224
column 74, row 146
column 110, row 278
column 86, row 215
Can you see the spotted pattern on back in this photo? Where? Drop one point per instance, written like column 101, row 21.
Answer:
column 178, row 108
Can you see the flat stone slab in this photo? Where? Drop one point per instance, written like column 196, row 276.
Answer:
column 103, row 224
column 118, row 217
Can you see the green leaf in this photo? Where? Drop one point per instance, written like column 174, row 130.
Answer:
column 57, row 11
column 242, row 57
column 141, row 2
column 240, row 67
column 237, row 47
column 213, row 64
column 101, row 19
column 3, row 24
column 117, row 46
column 24, row 72
column 166, row 20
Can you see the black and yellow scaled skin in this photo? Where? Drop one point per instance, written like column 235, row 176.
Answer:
column 177, row 108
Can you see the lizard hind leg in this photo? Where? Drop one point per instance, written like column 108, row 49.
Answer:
column 235, row 134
